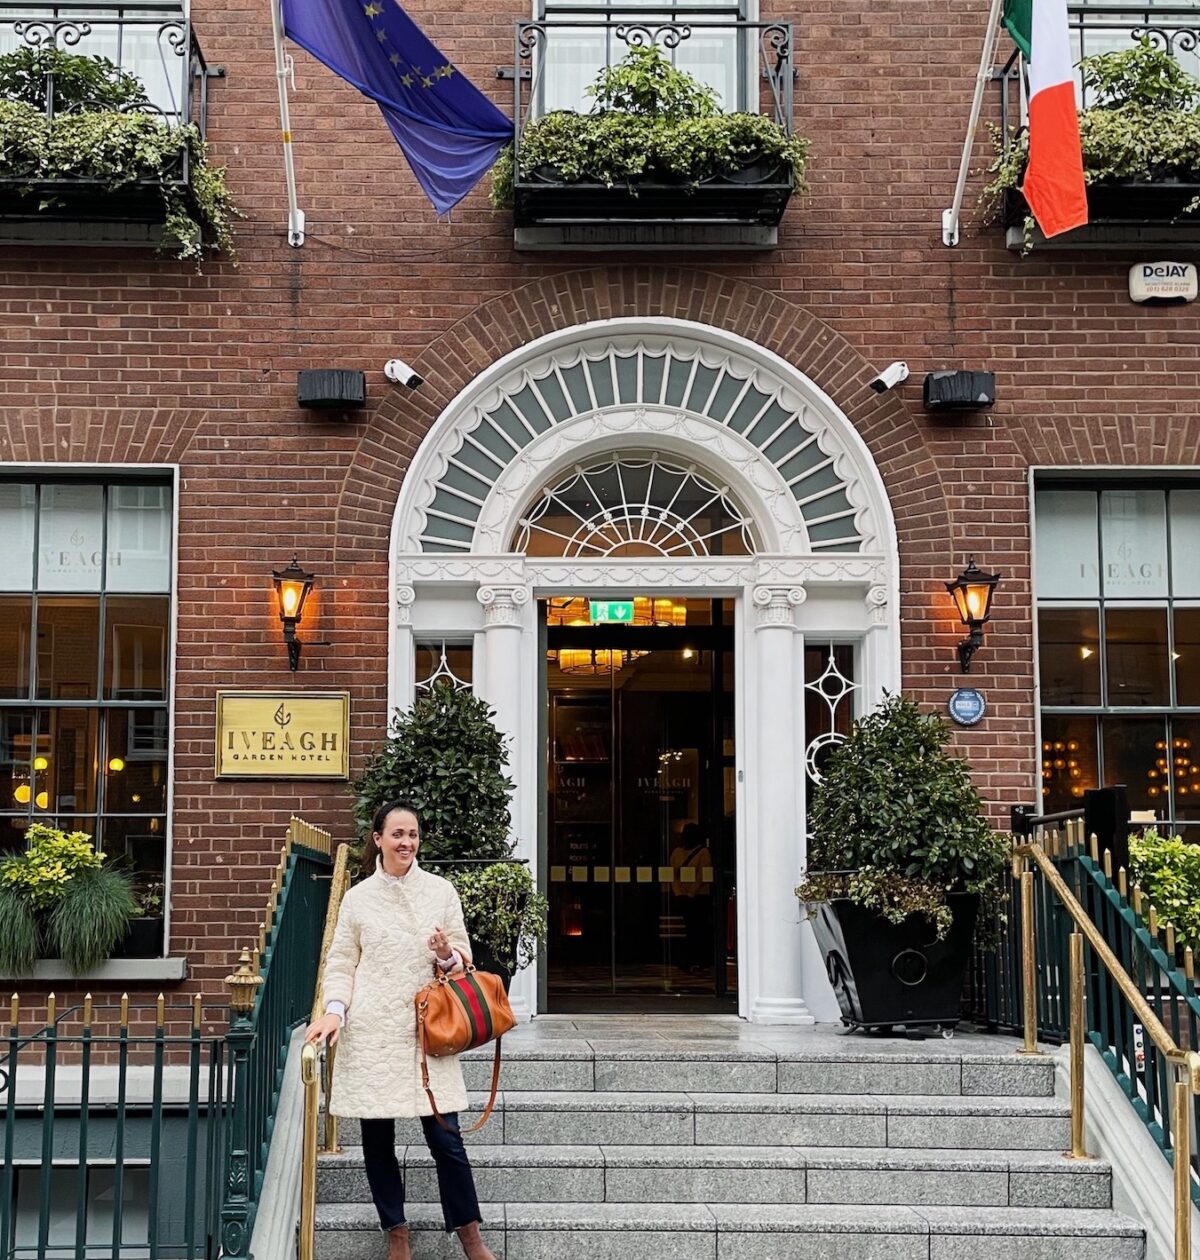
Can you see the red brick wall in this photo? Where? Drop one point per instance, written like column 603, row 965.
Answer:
column 118, row 357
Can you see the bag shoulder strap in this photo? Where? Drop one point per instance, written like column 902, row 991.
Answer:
column 487, row 1111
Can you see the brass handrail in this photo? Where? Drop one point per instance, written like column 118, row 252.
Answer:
column 1186, row 1063
column 311, row 1075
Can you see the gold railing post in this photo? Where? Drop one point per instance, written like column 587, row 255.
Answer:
column 308, row 1160
column 1181, row 1140
column 1028, row 964
column 1078, row 1149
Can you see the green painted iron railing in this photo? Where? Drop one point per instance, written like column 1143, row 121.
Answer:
column 138, row 1133
column 113, row 1131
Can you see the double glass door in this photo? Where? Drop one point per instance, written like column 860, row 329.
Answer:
column 639, row 808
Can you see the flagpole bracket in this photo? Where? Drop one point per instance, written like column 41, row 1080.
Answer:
column 949, row 228
column 296, row 229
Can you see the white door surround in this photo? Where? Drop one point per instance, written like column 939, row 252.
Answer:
column 825, row 565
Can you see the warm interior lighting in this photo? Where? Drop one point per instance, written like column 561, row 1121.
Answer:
column 42, row 800
column 596, row 662
column 1086, row 653
column 22, row 793
column 41, row 763
column 116, row 765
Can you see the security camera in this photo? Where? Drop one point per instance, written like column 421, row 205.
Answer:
column 398, row 371
column 890, row 377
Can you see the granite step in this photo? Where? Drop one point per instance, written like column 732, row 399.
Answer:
column 608, row 1231
column 587, row 1118
column 746, row 1174
column 716, row 1066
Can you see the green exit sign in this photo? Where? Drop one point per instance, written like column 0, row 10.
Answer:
column 611, row 610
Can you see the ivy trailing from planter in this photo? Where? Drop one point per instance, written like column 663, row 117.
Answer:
column 1145, row 129
column 103, row 128
column 651, row 121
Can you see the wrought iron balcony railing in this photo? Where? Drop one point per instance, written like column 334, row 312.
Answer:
column 1120, row 211
column 749, row 66
column 155, row 42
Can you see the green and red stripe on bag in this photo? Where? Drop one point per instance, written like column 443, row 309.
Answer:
column 460, row 1012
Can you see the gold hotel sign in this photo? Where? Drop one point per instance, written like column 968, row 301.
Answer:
column 282, row 735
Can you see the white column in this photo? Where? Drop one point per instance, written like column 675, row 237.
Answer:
column 400, row 681
column 881, row 656
column 503, row 687
column 777, row 986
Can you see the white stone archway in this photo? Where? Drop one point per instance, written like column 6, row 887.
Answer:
column 824, row 564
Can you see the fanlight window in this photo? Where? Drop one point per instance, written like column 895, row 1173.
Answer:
column 626, row 506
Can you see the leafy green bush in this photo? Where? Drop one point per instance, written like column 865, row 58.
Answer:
column 652, row 121
column 80, row 83
column 60, row 899
column 896, row 824
column 1168, row 870
column 1145, row 128
column 98, row 133
column 503, row 910
column 446, row 758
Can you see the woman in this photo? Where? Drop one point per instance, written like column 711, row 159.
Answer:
column 395, row 925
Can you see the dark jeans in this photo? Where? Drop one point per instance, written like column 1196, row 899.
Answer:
column 456, row 1185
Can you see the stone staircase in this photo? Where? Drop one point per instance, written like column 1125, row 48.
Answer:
column 708, row 1139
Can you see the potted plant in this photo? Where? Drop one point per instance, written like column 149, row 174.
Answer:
column 144, row 936
column 1167, row 868
column 61, row 899
column 900, row 855
column 651, row 123
column 69, row 119
column 447, row 759
column 1140, row 142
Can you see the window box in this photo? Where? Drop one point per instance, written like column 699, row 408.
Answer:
column 1128, row 213
column 102, row 152
column 113, row 971
column 749, row 68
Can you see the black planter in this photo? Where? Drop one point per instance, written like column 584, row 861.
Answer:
column 888, row 974
column 143, row 939
column 484, row 960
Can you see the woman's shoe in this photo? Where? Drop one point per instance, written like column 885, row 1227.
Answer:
column 472, row 1243
column 398, row 1247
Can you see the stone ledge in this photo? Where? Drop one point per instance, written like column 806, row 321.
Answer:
column 112, row 971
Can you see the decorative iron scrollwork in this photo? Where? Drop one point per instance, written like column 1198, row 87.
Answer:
column 529, row 36
column 640, row 35
column 776, row 42
column 176, row 35
column 51, row 33
column 1172, row 41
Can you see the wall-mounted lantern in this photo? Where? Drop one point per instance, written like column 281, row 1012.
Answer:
column 292, row 586
column 972, row 593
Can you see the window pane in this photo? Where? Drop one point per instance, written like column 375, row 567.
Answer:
column 17, row 505
column 139, row 538
column 1185, row 767
column 71, row 778
column 1187, row 656
column 1069, row 761
column 68, row 631
column 12, row 834
column 1185, row 555
column 135, row 768
column 138, row 843
column 1068, row 562
column 1135, row 753
column 136, row 663
column 1133, row 536
column 1136, row 657
column 428, row 668
column 71, row 538
column 18, row 784
column 1069, row 655
column 16, row 623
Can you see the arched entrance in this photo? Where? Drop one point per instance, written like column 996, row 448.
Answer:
column 654, row 464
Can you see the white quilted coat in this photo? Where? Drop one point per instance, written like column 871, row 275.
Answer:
column 378, row 960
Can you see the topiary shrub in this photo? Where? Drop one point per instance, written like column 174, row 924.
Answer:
column 446, row 758
column 503, row 911
column 1168, row 870
column 896, row 824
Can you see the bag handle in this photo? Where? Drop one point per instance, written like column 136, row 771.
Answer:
column 487, row 1111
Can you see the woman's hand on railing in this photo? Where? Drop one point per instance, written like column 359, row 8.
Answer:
column 326, row 1029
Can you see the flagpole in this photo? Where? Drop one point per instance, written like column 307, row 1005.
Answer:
column 282, row 71
column 950, row 217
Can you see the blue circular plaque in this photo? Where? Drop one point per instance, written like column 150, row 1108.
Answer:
column 967, row 706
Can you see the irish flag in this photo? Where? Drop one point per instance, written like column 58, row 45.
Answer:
column 1054, row 186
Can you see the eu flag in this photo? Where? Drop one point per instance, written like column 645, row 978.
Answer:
column 450, row 132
